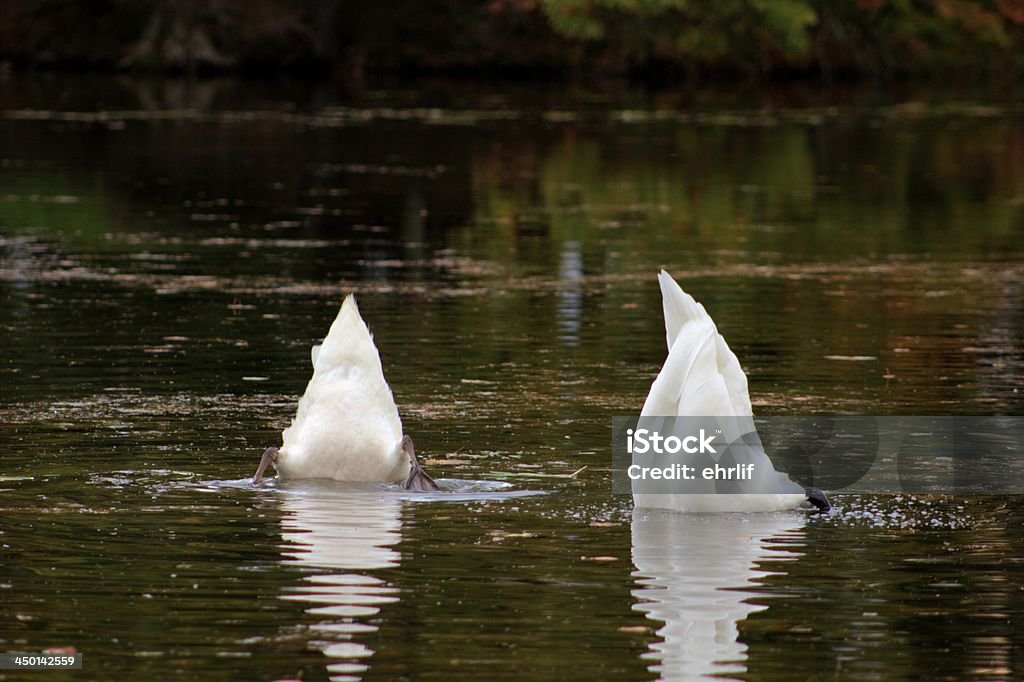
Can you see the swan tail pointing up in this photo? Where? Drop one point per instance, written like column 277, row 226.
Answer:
column 347, row 425
column 348, row 343
column 705, row 377
column 679, row 306
column 701, row 377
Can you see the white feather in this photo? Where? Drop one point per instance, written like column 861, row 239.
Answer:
column 347, row 425
column 702, row 378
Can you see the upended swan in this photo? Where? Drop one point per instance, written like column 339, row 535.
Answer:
column 347, row 425
column 702, row 378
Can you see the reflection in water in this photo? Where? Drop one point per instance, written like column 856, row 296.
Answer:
column 691, row 569
column 570, row 297
column 349, row 532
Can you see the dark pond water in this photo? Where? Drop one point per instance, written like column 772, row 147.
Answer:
column 170, row 252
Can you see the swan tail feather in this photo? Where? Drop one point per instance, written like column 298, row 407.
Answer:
column 348, row 343
column 679, row 307
column 684, row 316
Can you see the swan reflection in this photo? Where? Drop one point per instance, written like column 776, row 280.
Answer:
column 344, row 535
column 691, row 570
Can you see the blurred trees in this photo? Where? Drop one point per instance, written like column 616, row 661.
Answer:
column 856, row 37
column 875, row 38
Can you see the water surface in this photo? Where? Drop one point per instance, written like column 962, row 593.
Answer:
column 170, row 255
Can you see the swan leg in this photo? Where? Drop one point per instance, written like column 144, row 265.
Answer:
column 818, row 499
column 269, row 457
column 418, row 478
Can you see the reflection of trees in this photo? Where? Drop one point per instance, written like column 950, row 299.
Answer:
column 857, row 235
column 775, row 192
column 828, row 225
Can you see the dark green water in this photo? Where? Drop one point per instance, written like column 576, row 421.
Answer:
column 171, row 252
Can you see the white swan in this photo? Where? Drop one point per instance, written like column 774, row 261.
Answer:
column 347, row 425
column 702, row 378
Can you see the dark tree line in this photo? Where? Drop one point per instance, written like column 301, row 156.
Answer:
column 855, row 38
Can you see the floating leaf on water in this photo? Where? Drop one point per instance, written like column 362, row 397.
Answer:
column 500, row 535
column 602, row 559
column 520, row 474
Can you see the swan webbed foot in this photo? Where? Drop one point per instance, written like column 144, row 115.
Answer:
column 269, row 457
column 418, row 479
column 818, row 499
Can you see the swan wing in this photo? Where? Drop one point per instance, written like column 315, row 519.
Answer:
column 690, row 383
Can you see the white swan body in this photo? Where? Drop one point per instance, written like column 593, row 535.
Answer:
column 347, row 425
column 702, row 378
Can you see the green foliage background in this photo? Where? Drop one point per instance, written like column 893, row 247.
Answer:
column 873, row 38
